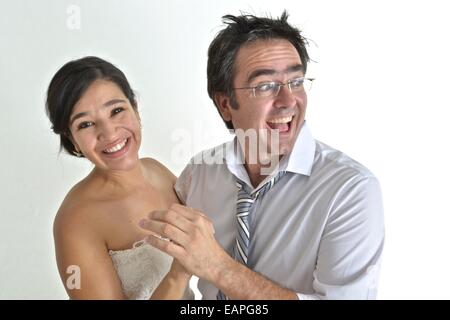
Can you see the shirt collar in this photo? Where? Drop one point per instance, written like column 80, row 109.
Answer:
column 299, row 160
column 234, row 161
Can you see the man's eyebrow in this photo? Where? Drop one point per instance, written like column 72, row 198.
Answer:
column 260, row 72
column 295, row 68
column 264, row 72
column 106, row 104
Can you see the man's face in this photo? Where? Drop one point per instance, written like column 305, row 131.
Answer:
column 261, row 62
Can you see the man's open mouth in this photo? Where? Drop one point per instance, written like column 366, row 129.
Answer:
column 281, row 124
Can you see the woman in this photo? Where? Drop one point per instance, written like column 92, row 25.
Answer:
column 97, row 237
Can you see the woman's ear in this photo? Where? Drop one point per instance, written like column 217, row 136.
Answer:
column 75, row 145
column 223, row 104
column 139, row 118
column 135, row 108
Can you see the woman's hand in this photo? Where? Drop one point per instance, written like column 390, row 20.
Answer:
column 174, row 284
column 177, row 271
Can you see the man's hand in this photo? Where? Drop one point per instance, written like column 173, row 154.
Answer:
column 189, row 238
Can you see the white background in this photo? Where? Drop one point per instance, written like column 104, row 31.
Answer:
column 381, row 96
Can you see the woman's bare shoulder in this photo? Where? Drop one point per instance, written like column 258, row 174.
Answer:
column 79, row 235
column 75, row 213
column 161, row 178
column 158, row 171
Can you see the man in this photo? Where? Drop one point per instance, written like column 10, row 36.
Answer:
column 312, row 226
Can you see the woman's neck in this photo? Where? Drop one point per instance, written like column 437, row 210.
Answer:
column 118, row 181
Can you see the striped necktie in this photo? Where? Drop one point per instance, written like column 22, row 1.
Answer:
column 244, row 205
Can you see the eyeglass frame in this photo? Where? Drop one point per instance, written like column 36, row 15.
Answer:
column 279, row 85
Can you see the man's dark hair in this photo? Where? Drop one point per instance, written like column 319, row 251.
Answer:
column 70, row 83
column 240, row 31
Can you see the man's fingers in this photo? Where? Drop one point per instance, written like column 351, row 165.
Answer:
column 181, row 217
column 151, row 225
column 186, row 212
column 153, row 213
column 171, row 217
column 167, row 246
column 175, row 211
column 189, row 213
column 164, row 230
column 205, row 217
column 195, row 216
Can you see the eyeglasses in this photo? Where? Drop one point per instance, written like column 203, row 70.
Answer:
column 271, row 89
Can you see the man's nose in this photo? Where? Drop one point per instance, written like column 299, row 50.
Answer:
column 285, row 97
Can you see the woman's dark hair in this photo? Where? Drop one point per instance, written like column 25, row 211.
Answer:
column 242, row 30
column 70, row 83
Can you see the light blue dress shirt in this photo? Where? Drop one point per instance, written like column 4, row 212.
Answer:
column 318, row 232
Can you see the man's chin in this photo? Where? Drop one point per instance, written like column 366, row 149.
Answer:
column 285, row 147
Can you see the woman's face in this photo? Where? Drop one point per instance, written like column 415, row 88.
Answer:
column 105, row 127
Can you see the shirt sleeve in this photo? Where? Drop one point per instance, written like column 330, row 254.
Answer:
column 183, row 183
column 349, row 255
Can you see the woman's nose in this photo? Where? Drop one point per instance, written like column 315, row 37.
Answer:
column 106, row 130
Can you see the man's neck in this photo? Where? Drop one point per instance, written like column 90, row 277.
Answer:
column 257, row 172
column 254, row 173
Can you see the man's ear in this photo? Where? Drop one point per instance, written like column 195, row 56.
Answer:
column 223, row 103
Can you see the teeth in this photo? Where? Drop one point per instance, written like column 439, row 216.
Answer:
column 281, row 120
column 117, row 147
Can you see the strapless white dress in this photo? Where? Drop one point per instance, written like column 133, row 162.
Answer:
column 141, row 269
